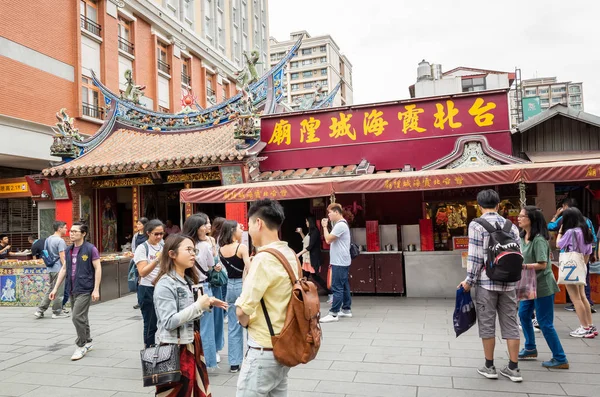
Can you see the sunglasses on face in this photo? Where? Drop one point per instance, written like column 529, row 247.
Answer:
column 158, row 234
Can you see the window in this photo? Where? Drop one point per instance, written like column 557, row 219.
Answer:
column 295, row 87
column 307, row 51
column 295, row 76
column 530, row 92
column 544, row 101
column 89, row 16
column 474, row 84
column 543, row 90
column 307, row 74
column 323, row 48
column 163, row 109
column 294, row 64
column 323, row 72
column 161, row 52
column 221, row 30
column 224, row 93
column 185, row 71
column 164, row 93
column 125, row 39
column 559, row 89
column 172, row 7
column 90, row 99
column 575, row 98
column 188, row 13
column 210, row 93
column 323, row 59
column 576, row 106
column 557, row 99
column 307, row 62
column 208, row 20
column 574, row 89
column 244, row 17
column 308, row 85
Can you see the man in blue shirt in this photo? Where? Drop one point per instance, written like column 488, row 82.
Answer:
column 555, row 224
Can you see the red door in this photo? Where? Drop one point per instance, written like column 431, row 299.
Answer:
column 362, row 274
column 388, row 271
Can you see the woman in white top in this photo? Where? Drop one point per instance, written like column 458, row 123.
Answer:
column 196, row 228
column 147, row 258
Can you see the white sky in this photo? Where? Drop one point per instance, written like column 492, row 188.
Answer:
column 386, row 39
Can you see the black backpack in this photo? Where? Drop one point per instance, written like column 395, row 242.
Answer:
column 504, row 259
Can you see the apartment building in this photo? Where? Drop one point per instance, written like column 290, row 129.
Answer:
column 319, row 61
column 48, row 50
column 551, row 92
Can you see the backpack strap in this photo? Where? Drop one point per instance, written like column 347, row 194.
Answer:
column 507, row 226
column 288, row 267
column 486, row 225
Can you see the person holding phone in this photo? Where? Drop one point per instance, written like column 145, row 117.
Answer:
column 176, row 279
column 146, row 259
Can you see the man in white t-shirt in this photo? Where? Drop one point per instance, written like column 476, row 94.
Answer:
column 340, row 260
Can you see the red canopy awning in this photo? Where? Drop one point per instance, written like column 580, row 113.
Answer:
column 567, row 171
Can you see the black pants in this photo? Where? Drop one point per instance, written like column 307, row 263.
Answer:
column 146, row 299
column 317, row 279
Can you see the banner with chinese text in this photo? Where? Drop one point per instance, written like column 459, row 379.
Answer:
column 388, row 135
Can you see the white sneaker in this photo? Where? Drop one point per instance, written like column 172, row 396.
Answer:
column 329, row 319
column 579, row 332
column 89, row 346
column 345, row 313
column 218, row 358
column 79, row 353
column 536, row 325
column 61, row 315
column 38, row 314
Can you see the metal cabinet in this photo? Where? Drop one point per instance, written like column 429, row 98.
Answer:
column 377, row 273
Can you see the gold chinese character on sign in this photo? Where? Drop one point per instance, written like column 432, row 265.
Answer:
column 282, row 133
column 257, row 194
column 388, row 184
column 441, row 118
column 446, row 181
column 417, row 183
column 342, row 127
column 410, row 119
column 426, row 182
column 406, row 183
column 283, row 192
column 374, row 123
column 480, row 113
column 273, row 193
column 436, row 182
column 591, row 171
column 309, row 129
column 265, row 194
column 458, row 180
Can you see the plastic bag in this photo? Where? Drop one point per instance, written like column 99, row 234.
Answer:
column 464, row 312
column 527, row 285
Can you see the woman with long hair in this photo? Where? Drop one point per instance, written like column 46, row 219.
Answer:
column 177, row 309
column 215, row 232
column 146, row 259
column 235, row 258
column 311, row 252
column 536, row 255
column 575, row 236
column 139, row 237
column 195, row 228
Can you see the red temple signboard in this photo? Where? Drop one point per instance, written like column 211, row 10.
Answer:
column 388, row 135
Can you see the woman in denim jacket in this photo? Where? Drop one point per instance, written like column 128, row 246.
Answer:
column 177, row 309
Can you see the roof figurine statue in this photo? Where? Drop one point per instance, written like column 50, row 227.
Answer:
column 316, row 97
column 66, row 134
column 133, row 92
column 249, row 75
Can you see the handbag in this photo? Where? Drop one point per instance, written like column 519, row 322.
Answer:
column 571, row 266
column 160, row 364
column 217, row 279
column 527, row 285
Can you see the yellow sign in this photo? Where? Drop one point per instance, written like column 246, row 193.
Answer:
column 12, row 188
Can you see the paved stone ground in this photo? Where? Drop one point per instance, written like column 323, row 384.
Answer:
column 392, row 347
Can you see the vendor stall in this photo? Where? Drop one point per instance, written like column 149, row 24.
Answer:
column 25, row 283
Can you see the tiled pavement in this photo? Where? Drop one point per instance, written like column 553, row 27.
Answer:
column 392, row 347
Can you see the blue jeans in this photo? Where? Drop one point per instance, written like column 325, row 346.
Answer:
column 146, row 299
column 340, row 287
column 235, row 334
column 207, row 333
column 219, row 315
column 544, row 309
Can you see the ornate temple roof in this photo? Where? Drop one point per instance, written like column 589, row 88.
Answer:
column 127, row 151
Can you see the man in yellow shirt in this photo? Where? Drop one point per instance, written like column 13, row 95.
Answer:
column 262, row 375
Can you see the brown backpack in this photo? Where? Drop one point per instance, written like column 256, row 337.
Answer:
column 300, row 337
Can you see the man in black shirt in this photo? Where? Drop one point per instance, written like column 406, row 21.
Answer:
column 37, row 246
column 4, row 246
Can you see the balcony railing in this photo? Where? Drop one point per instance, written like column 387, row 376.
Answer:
column 94, row 111
column 125, row 45
column 90, row 26
column 185, row 79
column 164, row 67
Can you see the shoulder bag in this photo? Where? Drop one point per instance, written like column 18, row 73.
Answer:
column 571, row 265
column 160, row 364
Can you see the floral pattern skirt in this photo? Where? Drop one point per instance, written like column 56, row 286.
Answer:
column 194, row 376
